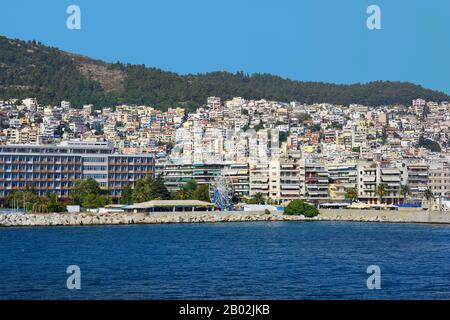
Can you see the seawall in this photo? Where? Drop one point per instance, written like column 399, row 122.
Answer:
column 71, row 219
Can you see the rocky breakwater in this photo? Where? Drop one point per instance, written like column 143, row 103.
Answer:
column 87, row 218
column 83, row 219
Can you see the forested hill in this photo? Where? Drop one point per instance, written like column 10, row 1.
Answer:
column 30, row 69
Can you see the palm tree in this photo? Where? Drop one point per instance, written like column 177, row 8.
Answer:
column 183, row 194
column 429, row 195
column 405, row 191
column 351, row 194
column 381, row 191
column 258, row 198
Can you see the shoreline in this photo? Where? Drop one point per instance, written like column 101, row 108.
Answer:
column 95, row 219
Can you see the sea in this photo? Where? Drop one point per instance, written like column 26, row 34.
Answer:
column 255, row 260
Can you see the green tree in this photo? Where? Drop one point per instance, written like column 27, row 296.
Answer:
column 429, row 144
column 95, row 201
column 381, row 191
column 181, row 194
column 25, row 198
column 127, row 195
column 157, row 188
column 139, row 192
column 258, row 198
column 299, row 207
column 82, row 188
column 203, row 193
column 53, row 204
column 429, row 195
column 88, row 194
column 351, row 194
column 150, row 189
column 405, row 191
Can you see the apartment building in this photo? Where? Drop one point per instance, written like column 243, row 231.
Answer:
column 343, row 176
column 260, row 179
column 55, row 168
column 176, row 174
column 237, row 175
column 439, row 180
column 372, row 175
column 417, row 179
column 314, row 174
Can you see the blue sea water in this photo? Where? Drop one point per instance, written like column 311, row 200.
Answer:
column 273, row 260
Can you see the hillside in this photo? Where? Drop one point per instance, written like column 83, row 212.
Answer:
column 30, row 69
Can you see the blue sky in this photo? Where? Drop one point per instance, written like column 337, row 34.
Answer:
column 311, row 40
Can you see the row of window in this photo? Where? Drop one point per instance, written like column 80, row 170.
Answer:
column 38, row 167
column 39, row 159
column 95, row 168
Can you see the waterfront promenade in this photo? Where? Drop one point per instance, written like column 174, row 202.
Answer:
column 86, row 218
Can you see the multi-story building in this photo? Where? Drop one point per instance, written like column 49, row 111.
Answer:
column 417, row 179
column 176, row 174
column 372, row 175
column 316, row 181
column 55, row 168
column 237, row 175
column 439, row 180
column 343, row 177
column 288, row 179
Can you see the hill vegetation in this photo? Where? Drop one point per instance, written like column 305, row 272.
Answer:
column 30, row 69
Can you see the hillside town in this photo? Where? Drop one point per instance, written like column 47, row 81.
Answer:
column 266, row 150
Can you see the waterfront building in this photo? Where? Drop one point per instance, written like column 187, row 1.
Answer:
column 315, row 177
column 176, row 174
column 439, row 179
column 372, row 175
column 55, row 168
column 417, row 179
column 343, row 177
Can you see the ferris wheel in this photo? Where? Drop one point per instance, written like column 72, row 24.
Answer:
column 222, row 194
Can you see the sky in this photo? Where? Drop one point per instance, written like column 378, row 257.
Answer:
column 309, row 40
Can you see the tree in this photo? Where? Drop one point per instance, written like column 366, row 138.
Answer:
column 95, row 201
column 25, row 198
column 381, row 191
column 315, row 128
column 157, row 188
column 87, row 193
column 191, row 189
column 257, row 198
column 429, row 195
column 405, row 191
column 139, row 192
column 49, row 203
column 127, row 195
column 429, row 144
column 83, row 188
column 352, row 195
column 181, row 194
column 299, row 207
column 150, row 189
column 53, row 76
column 203, row 193
column 53, row 205
column 283, row 135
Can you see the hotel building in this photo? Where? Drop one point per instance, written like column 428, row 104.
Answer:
column 55, row 168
